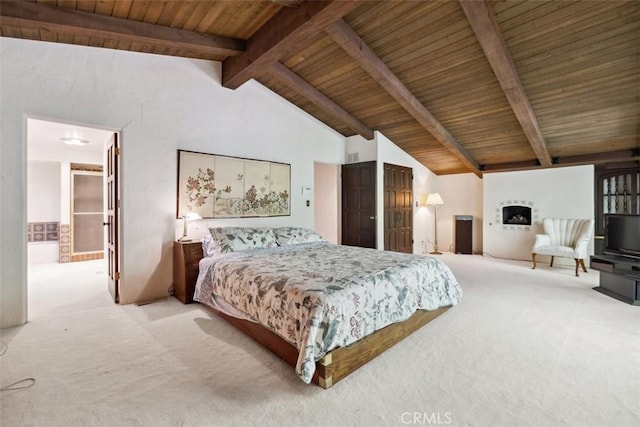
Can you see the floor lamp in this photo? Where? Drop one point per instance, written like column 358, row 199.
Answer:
column 435, row 200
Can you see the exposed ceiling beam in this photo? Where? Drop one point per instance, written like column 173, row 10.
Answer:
column 73, row 22
column 355, row 47
column 289, row 30
column 511, row 166
column 484, row 24
column 303, row 88
column 597, row 158
column 581, row 159
column 288, row 3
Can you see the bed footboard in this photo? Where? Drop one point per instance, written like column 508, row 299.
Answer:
column 341, row 362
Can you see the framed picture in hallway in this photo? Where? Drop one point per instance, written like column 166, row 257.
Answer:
column 231, row 187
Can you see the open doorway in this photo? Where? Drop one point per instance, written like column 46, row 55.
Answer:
column 66, row 212
column 327, row 201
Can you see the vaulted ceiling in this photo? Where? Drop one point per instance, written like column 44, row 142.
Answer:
column 462, row 86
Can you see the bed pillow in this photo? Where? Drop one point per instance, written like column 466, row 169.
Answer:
column 209, row 245
column 233, row 239
column 296, row 235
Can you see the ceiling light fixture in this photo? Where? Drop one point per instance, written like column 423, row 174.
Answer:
column 74, row 141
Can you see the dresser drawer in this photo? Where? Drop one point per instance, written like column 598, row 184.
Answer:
column 599, row 265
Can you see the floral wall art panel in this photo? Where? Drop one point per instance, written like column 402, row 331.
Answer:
column 231, row 187
column 195, row 183
column 229, row 174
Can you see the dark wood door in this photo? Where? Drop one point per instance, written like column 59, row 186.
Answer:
column 113, row 216
column 617, row 190
column 359, row 204
column 398, row 209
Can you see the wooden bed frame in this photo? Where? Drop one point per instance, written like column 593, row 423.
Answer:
column 336, row 364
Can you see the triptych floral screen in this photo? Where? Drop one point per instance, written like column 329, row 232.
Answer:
column 230, row 187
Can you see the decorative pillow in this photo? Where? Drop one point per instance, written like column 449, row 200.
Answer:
column 296, row 235
column 209, row 246
column 233, row 239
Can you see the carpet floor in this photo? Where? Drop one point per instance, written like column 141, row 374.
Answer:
column 523, row 348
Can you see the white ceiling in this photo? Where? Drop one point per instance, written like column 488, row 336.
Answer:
column 45, row 134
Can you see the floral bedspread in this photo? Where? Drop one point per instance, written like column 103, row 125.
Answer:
column 320, row 296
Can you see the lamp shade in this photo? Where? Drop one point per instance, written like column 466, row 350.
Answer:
column 192, row 215
column 434, row 199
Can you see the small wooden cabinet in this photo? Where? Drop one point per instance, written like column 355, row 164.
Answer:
column 186, row 257
column 463, row 234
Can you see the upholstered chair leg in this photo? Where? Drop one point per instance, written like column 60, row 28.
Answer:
column 577, row 264
column 533, row 258
column 583, row 266
column 551, row 264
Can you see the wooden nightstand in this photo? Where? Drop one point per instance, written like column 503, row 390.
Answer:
column 186, row 256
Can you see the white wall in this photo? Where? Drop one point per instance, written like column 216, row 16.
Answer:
column 327, row 201
column 424, row 181
column 554, row 192
column 43, row 253
column 462, row 195
column 43, row 205
column 43, row 191
column 365, row 150
column 160, row 104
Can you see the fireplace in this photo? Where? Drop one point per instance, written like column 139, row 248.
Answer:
column 516, row 215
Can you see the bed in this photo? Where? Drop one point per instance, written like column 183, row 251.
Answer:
column 325, row 309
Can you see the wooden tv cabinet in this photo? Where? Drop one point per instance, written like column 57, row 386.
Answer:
column 619, row 277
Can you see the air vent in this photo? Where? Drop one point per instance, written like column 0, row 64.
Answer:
column 352, row 157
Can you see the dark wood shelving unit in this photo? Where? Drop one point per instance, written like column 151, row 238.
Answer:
column 619, row 277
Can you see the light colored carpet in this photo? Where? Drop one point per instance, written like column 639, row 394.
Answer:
column 525, row 348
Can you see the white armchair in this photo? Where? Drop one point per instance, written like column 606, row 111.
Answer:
column 564, row 238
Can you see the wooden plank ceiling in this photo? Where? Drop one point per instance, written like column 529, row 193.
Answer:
column 463, row 86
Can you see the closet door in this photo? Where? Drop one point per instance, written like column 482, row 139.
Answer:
column 359, row 204
column 398, row 208
column 87, row 232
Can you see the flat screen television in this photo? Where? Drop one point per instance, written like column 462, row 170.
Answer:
column 622, row 235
